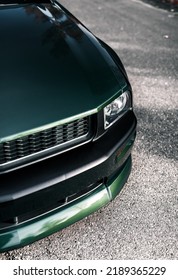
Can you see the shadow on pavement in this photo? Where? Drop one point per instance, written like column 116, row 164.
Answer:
column 170, row 5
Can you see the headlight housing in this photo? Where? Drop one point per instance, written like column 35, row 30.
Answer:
column 117, row 108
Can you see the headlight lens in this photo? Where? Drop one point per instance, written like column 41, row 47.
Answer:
column 116, row 109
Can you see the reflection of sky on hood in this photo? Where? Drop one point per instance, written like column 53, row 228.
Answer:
column 47, row 13
column 61, row 17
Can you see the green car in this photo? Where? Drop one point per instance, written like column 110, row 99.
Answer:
column 67, row 125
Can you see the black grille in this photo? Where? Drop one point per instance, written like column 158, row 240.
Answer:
column 45, row 139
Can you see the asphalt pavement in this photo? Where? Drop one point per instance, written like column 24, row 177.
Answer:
column 142, row 222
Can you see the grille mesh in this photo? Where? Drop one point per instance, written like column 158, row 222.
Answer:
column 45, row 139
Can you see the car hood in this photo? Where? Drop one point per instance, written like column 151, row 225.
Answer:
column 52, row 68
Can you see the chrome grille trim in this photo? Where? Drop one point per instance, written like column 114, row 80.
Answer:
column 59, row 136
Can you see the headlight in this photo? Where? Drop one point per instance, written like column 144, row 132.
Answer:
column 116, row 109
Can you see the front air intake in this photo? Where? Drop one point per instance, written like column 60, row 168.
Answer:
column 61, row 136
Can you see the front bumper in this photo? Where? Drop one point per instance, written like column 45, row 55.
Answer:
column 58, row 219
column 103, row 165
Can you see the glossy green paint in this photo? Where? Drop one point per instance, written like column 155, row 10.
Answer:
column 58, row 219
column 52, row 69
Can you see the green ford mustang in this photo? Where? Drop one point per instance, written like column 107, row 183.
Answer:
column 67, row 125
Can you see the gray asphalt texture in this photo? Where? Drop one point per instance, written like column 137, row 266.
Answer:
column 142, row 222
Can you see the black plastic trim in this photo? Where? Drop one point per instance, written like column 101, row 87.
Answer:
column 43, row 183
